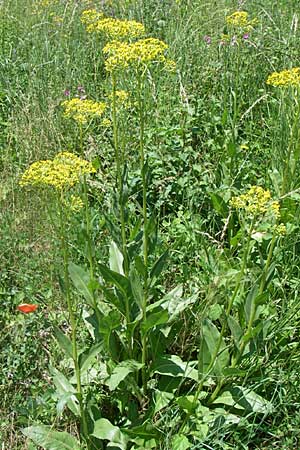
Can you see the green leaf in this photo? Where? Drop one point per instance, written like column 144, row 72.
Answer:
column 180, row 442
column 187, row 403
column 162, row 399
column 249, row 302
column 118, row 280
column 240, row 397
column 235, row 329
column 81, row 280
column 65, row 391
column 159, row 265
column 115, row 259
column 212, row 338
column 219, row 204
column 137, row 287
column 174, row 367
column 154, row 319
column 50, row 439
column 87, row 358
column 63, row 341
column 121, row 371
column 105, row 430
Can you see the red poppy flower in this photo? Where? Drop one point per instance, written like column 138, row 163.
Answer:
column 27, row 308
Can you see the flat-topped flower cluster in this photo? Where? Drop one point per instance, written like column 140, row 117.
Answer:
column 64, row 171
column 125, row 49
column 285, row 78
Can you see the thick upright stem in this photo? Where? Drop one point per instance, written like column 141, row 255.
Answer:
column 145, row 222
column 65, row 253
column 89, row 233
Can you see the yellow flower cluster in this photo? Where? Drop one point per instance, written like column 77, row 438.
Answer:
column 75, row 203
column 90, row 16
column 117, row 29
column 288, row 77
column 256, row 202
column 122, row 99
column 280, row 229
column 61, row 172
column 83, row 110
column 122, row 55
column 239, row 19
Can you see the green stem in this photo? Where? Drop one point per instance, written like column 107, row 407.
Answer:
column 254, row 306
column 245, row 340
column 89, row 233
column 145, row 224
column 287, row 175
column 73, row 324
column 119, row 181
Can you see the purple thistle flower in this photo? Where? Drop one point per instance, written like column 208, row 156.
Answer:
column 67, row 93
column 246, row 36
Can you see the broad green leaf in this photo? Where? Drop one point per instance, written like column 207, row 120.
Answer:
column 213, row 340
column 250, row 301
column 64, row 388
column 105, row 430
column 240, row 397
column 187, row 403
column 219, row 204
column 162, row 399
column 121, row 371
column 180, row 442
column 118, row 280
column 137, row 288
column 50, row 439
column 63, row 341
column 235, row 329
column 145, row 431
column 115, row 259
column 177, row 304
column 81, row 280
column 87, row 358
column 154, row 319
column 159, row 265
column 174, row 367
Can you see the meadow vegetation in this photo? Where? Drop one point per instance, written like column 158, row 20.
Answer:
column 149, row 248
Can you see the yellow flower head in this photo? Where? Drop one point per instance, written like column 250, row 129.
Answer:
column 289, row 77
column 90, row 16
column 83, row 110
column 116, row 28
column 256, row 202
column 280, row 229
column 122, row 55
column 64, row 171
column 122, row 99
column 75, row 203
column 239, row 19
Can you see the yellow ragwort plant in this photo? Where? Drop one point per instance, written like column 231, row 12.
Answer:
column 83, row 110
column 257, row 202
column 63, row 172
column 110, row 27
column 90, row 16
column 285, row 78
column 122, row 55
column 239, row 19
